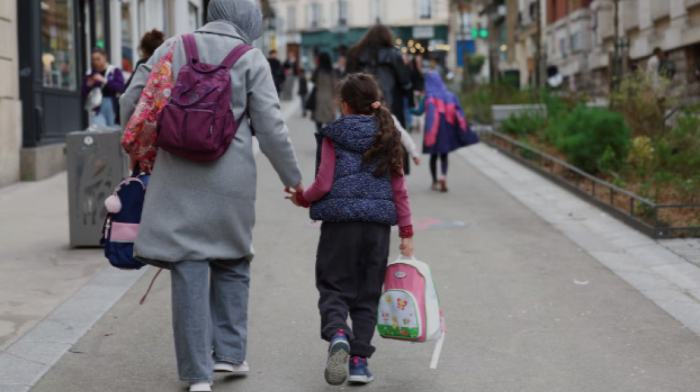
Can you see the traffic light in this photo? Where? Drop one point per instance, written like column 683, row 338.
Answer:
column 480, row 33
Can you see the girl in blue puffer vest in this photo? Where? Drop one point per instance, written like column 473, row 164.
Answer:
column 359, row 193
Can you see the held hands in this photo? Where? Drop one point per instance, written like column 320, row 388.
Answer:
column 406, row 247
column 98, row 78
column 299, row 188
column 416, row 160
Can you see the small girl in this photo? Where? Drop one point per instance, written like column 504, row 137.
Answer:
column 446, row 129
column 359, row 193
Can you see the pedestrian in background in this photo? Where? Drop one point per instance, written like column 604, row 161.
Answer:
column 151, row 41
column 324, row 83
column 277, row 71
column 376, row 54
column 418, row 82
column 341, row 68
column 445, row 127
column 198, row 218
column 303, row 89
column 359, row 193
column 101, row 89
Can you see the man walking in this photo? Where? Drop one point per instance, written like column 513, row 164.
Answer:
column 277, row 71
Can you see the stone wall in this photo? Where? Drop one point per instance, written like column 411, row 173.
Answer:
column 10, row 106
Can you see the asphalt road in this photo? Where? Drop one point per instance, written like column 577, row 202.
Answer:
column 517, row 320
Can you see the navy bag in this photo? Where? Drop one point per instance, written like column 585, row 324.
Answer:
column 123, row 218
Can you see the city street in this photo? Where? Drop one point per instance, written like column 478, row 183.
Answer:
column 527, row 309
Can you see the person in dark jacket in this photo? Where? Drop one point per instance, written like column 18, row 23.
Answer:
column 277, row 71
column 110, row 80
column 303, row 89
column 151, row 41
column 376, row 54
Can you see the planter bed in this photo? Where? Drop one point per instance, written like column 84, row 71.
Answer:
column 655, row 220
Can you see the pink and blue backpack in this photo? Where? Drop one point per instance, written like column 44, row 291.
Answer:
column 121, row 225
column 409, row 308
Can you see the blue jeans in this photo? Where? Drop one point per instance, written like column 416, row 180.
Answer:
column 106, row 117
column 209, row 311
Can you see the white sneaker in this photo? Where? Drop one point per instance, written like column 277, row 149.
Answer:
column 234, row 369
column 202, row 386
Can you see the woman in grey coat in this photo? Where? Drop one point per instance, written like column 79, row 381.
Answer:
column 199, row 216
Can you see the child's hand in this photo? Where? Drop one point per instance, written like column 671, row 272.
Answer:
column 406, row 247
column 292, row 196
column 416, row 160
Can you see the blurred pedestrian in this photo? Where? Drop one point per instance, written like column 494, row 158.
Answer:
column 357, row 204
column 183, row 227
column 341, row 68
column 303, row 88
column 101, row 88
column 324, row 83
column 151, row 41
column 277, row 71
column 376, row 54
column 418, row 82
column 445, row 127
column 291, row 65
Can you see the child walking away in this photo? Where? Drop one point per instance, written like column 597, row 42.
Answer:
column 446, row 129
column 359, row 193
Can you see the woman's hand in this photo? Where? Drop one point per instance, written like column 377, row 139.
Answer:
column 406, row 247
column 416, row 160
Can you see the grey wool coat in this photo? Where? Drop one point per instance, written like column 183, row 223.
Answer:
column 206, row 211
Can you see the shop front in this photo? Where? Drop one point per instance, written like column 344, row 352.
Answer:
column 55, row 37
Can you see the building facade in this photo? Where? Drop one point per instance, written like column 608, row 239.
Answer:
column 309, row 27
column 44, row 52
column 10, row 105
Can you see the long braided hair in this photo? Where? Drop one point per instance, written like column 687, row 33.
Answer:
column 361, row 92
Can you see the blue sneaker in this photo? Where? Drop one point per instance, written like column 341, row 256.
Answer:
column 359, row 371
column 337, row 364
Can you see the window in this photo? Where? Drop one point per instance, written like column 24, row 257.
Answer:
column 291, row 18
column 342, row 13
column 426, row 9
column 57, row 50
column 575, row 41
column 562, row 47
column 315, row 15
column 376, row 11
column 127, row 39
column 194, row 18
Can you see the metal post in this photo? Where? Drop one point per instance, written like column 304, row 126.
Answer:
column 656, row 220
column 631, row 206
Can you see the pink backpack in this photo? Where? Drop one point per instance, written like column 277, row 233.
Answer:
column 409, row 308
column 198, row 123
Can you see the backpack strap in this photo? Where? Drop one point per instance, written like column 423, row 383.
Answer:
column 190, row 47
column 235, row 55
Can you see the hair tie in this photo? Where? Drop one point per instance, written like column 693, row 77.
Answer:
column 376, row 105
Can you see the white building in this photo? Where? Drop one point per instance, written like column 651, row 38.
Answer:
column 309, row 27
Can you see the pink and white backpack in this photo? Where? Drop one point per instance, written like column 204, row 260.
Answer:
column 409, row 308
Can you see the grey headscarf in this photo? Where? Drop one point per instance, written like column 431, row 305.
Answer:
column 244, row 15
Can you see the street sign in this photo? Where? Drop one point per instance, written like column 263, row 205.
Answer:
column 423, row 32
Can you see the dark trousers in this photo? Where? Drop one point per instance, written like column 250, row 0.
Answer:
column 350, row 267
column 433, row 165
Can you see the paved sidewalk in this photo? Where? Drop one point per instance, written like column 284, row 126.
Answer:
column 37, row 269
column 517, row 319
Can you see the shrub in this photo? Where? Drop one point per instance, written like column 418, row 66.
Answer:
column 679, row 150
column 523, row 124
column 587, row 132
column 644, row 100
column 641, row 155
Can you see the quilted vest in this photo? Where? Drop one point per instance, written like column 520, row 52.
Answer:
column 357, row 194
